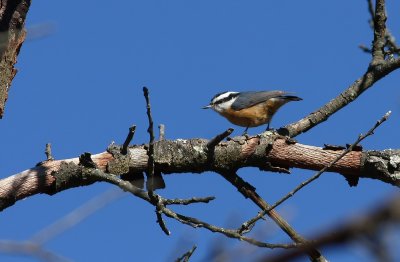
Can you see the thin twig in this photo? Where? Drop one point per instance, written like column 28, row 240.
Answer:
column 129, row 137
column 248, row 225
column 196, row 223
column 150, row 152
column 185, row 257
column 193, row 222
column 160, row 220
column 365, row 49
column 185, row 202
column 150, row 171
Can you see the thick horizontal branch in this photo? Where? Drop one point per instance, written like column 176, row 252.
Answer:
column 314, row 158
column 182, row 156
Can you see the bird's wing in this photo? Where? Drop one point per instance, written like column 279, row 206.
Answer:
column 251, row 98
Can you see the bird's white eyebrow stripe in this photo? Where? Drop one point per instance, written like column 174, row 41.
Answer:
column 221, row 98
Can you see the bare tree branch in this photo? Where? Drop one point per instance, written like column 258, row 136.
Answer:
column 372, row 222
column 360, row 138
column 12, row 35
column 162, row 203
column 30, row 249
column 129, row 137
column 150, row 130
column 378, row 68
column 269, row 152
column 181, row 156
column 76, row 216
column 390, row 47
column 362, row 84
column 248, row 224
column 248, row 191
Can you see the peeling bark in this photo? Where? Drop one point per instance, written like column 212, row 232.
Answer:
column 382, row 165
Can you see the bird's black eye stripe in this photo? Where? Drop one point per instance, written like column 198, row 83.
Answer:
column 225, row 99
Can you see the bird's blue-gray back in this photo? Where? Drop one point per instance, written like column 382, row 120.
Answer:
column 251, row 98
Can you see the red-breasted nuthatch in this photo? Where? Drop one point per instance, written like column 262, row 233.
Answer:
column 250, row 109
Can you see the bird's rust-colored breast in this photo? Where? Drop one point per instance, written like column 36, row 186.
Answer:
column 249, row 117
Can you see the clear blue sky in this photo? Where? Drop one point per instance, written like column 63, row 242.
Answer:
column 81, row 88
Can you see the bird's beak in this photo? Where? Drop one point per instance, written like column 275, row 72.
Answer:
column 207, row 107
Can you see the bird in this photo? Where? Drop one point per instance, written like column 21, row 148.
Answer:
column 250, row 108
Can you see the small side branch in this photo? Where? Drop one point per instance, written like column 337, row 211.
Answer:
column 218, row 138
column 128, row 140
column 210, row 149
column 159, row 207
column 49, row 156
